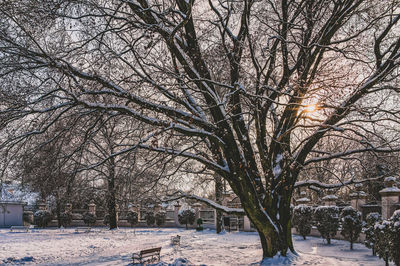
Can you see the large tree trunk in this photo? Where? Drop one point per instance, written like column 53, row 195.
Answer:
column 272, row 219
column 218, row 199
column 273, row 241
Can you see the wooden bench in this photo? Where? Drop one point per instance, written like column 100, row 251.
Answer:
column 83, row 229
column 146, row 255
column 176, row 240
column 19, row 228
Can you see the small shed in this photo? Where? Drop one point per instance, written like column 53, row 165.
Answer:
column 11, row 213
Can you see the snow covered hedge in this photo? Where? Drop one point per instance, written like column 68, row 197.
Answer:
column 302, row 219
column 351, row 224
column 327, row 221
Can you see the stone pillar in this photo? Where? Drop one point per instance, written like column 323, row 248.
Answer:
column 390, row 196
column 68, row 208
column 358, row 199
column 246, row 224
column 92, row 207
column 177, row 206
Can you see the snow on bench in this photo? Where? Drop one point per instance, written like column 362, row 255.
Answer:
column 19, row 228
column 176, row 240
column 83, row 229
column 146, row 256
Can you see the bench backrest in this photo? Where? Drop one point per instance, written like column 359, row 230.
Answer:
column 151, row 250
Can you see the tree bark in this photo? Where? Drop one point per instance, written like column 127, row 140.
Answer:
column 111, row 197
column 218, row 199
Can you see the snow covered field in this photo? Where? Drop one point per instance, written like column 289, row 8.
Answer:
column 104, row 247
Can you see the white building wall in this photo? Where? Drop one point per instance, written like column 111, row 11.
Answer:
column 11, row 214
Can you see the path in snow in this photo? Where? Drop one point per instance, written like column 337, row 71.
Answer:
column 104, row 247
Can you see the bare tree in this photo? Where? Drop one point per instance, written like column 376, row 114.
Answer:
column 245, row 88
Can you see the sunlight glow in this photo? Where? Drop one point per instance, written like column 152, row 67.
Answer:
column 310, row 108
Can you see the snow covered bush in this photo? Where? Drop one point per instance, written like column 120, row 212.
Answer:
column 41, row 218
column 327, row 221
column 160, row 217
column 302, row 219
column 65, row 219
column 27, row 217
column 199, row 224
column 150, row 219
column 186, row 217
column 387, row 237
column 132, row 218
column 394, row 238
column 382, row 236
column 89, row 218
column 370, row 239
column 351, row 224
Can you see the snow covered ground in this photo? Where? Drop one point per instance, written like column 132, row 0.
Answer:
column 104, row 247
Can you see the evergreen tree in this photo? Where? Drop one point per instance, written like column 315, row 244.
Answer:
column 132, row 218
column 65, row 219
column 395, row 238
column 186, row 217
column 327, row 221
column 351, row 224
column 42, row 218
column 150, row 219
column 302, row 219
column 89, row 218
column 370, row 239
column 160, row 218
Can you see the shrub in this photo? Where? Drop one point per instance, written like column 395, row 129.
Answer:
column 327, row 221
column 27, row 217
column 89, row 218
column 370, row 239
column 351, row 224
column 199, row 223
column 150, row 219
column 41, row 218
column 132, row 218
column 186, row 217
column 387, row 239
column 106, row 219
column 394, row 238
column 161, row 217
column 382, row 236
column 302, row 219
column 65, row 219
